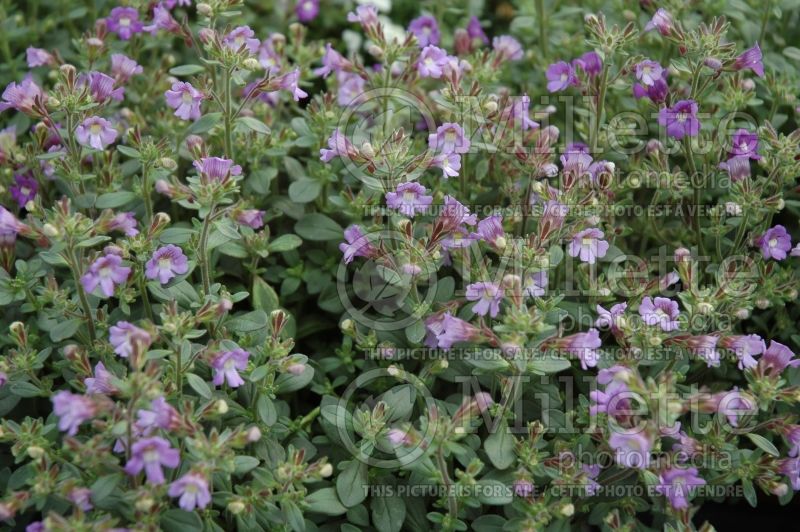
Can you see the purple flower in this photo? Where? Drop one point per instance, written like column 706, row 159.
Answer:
column 745, row 348
column 791, row 468
column 705, row 347
column 338, row 146
column 185, row 99
column 306, row 10
column 217, row 168
column 431, row 62
column 656, row 92
column 519, row 113
column 125, row 222
column 560, row 76
column 252, row 218
column 614, row 399
column 750, row 58
column 576, row 164
column 351, row 88
column 488, row 296
column 584, row 345
column 507, row 48
column 166, row 263
column 162, row 20
column 356, row 244
column 490, row 229
column 227, row 365
column 124, row 21
column 151, row 454
column 590, row 63
column 475, row 31
column 128, row 338
column 535, row 284
column 101, row 86
column 426, row 30
column 776, row 359
column 588, row 245
column 332, row 61
column 449, row 138
column 82, row 498
column 192, row 488
column 101, row 382
column 631, row 449
column 458, row 237
column 792, row 434
column 680, row 119
column 242, row 36
column 775, row 243
column 107, row 272
column 610, row 318
column 449, row 162
column 366, row 15
column 454, row 330
column 289, row 82
column 662, row 312
column 662, row 20
column 745, row 144
column 161, row 415
column 648, row 72
column 523, row 487
column 124, row 68
column 409, row 199
column 677, row 484
column 9, row 227
column 24, row 188
column 398, row 437
column 22, row 96
column 269, row 58
column 38, row 57
column 738, row 168
column 72, row 410
column 733, row 404
column 95, row 132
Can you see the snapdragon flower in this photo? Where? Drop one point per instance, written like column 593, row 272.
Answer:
column 745, row 347
column 450, row 164
column 449, row 138
column 632, row 449
column 455, row 330
column 750, row 59
column 192, row 488
column 611, row 318
column 160, row 415
column 22, row 96
column 560, row 76
column 662, row 21
column 777, row 358
column 216, row 168
column 306, row 10
column 588, row 245
column 125, row 222
column 660, row 311
column 680, row 119
column 745, row 144
column 677, row 485
column 356, row 244
column 475, row 31
column 535, row 284
column 242, row 36
column 338, row 146
column 72, row 410
column 590, row 63
column 490, row 230
column 123, row 68
column 332, row 61
column 101, row 382
column 507, row 48
column 126, row 338
column 431, row 62
column 37, row 57
column 648, row 72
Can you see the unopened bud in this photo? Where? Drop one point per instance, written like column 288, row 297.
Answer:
column 236, row 507
column 368, row 150
column 168, row 163
column 713, row 63
column 35, row 452
column 251, row 64
column 50, row 230
column 705, row 308
column 144, row 504
column 222, row 407
column 375, row 51
column 253, row 434
column 748, row 85
column 490, row 106
column 326, row 470
column 204, row 9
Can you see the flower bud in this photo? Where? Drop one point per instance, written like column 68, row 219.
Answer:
column 251, row 64
column 654, row 147
column 368, row 150
column 296, row 369
column 222, row 407
column 347, row 326
column 236, row 507
column 375, row 51
column 253, row 434
column 748, row 84
column 490, row 106
column 550, row 170
column 18, row 333
column 168, row 163
column 713, row 63
column 326, row 470
column 50, row 230
column 205, row 9
column 144, row 504
column 35, row 452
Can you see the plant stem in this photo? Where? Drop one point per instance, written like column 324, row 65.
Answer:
column 87, row 311
column 601, row 99
column 202, row 252
column 764, row 20
column 452, row 502
column 226, row 111
column 542, row 26
column 148, row 201
column 687, row 147
column 148, row 309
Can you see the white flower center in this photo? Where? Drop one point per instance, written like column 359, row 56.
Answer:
column 95, row 129
column 773, row 242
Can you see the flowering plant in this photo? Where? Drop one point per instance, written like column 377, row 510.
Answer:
column 306, row 267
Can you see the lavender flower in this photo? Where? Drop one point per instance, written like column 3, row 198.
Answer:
column 449, row 138
column 10, row 227
column 680, row 119
column 101, row 87
column 289, row 82
column 252, row 218
column 426, row 30
column 507, row 48
column 590, row 63
column 631, row 449
column 677, row 484
column 750, row 59
column 738, row 168
column 192, row 488
column 185, row 99
column 454, row 214
column 490, row 229
column 351, row 88
column 270, row 59
column 125, row 222
column 127, row 338
column 101, row 382
column 431, row 62
column 37, row 57
column 356, row 244
column 366, row 15
column 22, row 96
column 409, row 199
column 162, row 20
column 332, row 61
column 662, row 312
column 124, row 21
column 662, row 20
column 217, row 168
column 588, row 245
column 124, row 68
column 166, row 263
column 745, row 144
column 161, row 415
column 792, row 433
column 449, row 162
column 454, row 330
column 612, row 318
column 398, row 437
column 306, row 10
column 775, row 243
column 745, row 348
column 777, row 358
column 338, row 146
column 227, row 365
column 648, row 72
column 475, row 31
column 535, row 284
column 107, row 272
column 95, row 132
column 24, row 188
column 560, row 76
column 523, row 487
column 734, row 404
column 657, row 92
column 242, row 36
column 705, row 347
column 584, row 345
column 791, row 468
column 488, row 296
column 72, row 410
column 151, row 454
column 81, row 498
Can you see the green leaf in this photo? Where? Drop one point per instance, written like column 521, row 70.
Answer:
column 253, row 124
column 180, row 521
column 764, row 444
column 493, row 492
column 264, row 296
column 204, row 123
column 548, row 365
column 199, row 385
column 112, row 200
column 104, row 486
column 243, row 464
column 325, row 502
column 304, row 190
column 250, row 322
column 65, row 329
column 352, row 482
column 24, row 389
column 286, row 242
column 388, row 513
column 291, row 383
column 318, row 227
column 266, row 410
column 186, row 70
column 749, row 492
column 500, row 447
